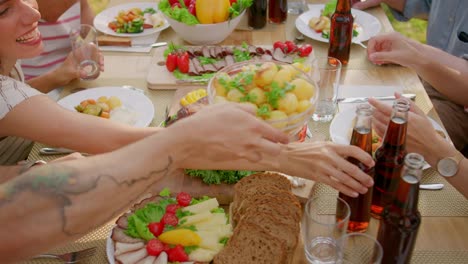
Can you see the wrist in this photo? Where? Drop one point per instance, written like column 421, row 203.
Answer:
column 439, row 149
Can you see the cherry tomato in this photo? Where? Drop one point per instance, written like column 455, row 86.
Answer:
column 291, row 47
column 192, row 9
column 156, row 228
column 154, row 247
column 183, row 199
column 173, row 2
column 171, row 62
column 166, row 248
column 305, row 50
column 183, row 62
column 170, row 219
column 177, row 254
column 233, row 1
column 187, row 2
column 279, row 45
column 172, row 208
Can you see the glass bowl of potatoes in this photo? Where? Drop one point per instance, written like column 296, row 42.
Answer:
column 283, row 95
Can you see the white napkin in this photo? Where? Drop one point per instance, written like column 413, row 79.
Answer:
column 345, row 91
column 145, row 41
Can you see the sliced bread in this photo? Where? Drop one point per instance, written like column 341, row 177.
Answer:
column 251, row 244
column 261, row 179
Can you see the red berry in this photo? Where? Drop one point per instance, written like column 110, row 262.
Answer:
column 171, row 62
column 184, row 199
column 177, row 254
column 156, row 228
column 154, row 247
column 305, row 50
column 166, row 248
column 291, row 46
column 172, row 208
column 280, row 45
column 170, row 219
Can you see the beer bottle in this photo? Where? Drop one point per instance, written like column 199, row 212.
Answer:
column 341, row 32
column 257, row 14
column 277, row 11
column 389, row 158
column 361, row 137
column 401, row 219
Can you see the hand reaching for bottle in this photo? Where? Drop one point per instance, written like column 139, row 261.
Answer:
column 392, row 48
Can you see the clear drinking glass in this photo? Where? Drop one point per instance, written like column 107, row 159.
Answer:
column 325, row 220
column 85, row 51
column 360, row 248
column 297, row 7
column 326, row 71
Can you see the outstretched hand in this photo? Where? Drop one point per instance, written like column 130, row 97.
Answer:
column 392, row 48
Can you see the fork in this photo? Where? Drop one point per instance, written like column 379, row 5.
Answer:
column 72, row 257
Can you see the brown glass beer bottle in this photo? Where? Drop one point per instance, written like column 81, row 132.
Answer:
column 257, row 14
column 341, row 32
column 389, row 158
column 401, row 219
column 361, row 137
column 277, row 11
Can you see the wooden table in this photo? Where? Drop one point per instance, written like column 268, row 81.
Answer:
column 435, row 234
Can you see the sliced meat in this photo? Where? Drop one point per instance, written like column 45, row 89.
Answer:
column 229, row 59
column 220, row 64
column 206, row 51
column 266, row 57
column 147, row 260
column 269, row 52
column 197, row 65
column 219, row 52
column 191, row 52
column 192, row 70
column 209, row 68
column 213, row 51
column 162, row 258
column 132, row 257
column 121, row 248
column 118, row 235
column 279, row 55
column 122, row 221
column 260, row 51
column 227, row 51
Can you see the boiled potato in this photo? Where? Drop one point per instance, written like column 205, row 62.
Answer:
column 220, row 89
column 303, row 105
column 278, row 115
column 282, row 77
column 265, row 74
column 114, row 102
column 293, row 69
column 234, row 95
column 102, row 99
column 257, row 95
column 303, row 89
column 301, row 66
column 288, row 103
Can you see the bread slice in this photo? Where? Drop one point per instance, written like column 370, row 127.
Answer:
column 289, row 233
column 250, row 244
column 107, row 40
column 256, row 191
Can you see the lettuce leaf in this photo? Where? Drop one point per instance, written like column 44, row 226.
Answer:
column 218, row 176
column 176, row 13
column 329, row 8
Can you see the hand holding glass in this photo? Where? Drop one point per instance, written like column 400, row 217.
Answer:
column 85, row 51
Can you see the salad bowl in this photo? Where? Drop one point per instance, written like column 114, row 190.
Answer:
column 205, row 34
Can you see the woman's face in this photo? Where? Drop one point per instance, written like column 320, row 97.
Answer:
column 20, row 37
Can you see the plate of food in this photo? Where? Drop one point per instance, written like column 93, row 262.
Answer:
column 131, row 20
column 169, row 229
column 315, row 24
column 121, row 104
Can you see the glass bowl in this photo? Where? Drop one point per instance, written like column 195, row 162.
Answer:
column 296, row 93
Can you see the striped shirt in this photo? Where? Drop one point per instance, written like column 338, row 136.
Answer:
column 56, row 43
column 13, row 92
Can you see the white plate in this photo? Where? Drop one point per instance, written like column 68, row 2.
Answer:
column 368, row 25
column 341, row 127
column 102, row 20
column 133, row 100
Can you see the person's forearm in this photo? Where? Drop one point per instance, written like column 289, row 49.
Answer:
column 9, row 172
column 46, row 82
column 87, row 14
column 55, row 203
column 440, row 149
column 446, row 73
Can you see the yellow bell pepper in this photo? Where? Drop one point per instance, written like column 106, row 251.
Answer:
column 212, row 11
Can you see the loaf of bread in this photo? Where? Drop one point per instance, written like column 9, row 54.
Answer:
column 106, row 40
column 251, row 244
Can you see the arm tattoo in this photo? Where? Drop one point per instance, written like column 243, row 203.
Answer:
column 62, row 182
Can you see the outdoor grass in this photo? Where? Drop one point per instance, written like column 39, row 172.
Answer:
column 415, row 28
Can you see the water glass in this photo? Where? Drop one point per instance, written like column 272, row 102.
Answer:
column 326, row 71
column 297, row 7
column 85, row 51
column 360, row 248
column 325, row 220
